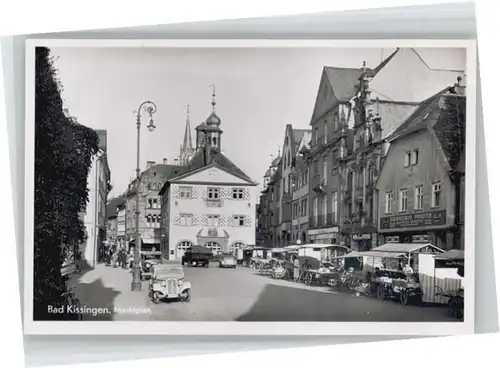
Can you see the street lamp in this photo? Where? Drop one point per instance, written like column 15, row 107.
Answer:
column 150, row 108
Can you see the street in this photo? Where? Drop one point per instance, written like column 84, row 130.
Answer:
column 240, row 294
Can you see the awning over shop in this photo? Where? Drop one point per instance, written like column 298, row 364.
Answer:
column 452, row 254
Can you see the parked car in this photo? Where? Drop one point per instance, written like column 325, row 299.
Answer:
column 167, row 282
column 197, row 256
column 148, row 261
column 227, row 261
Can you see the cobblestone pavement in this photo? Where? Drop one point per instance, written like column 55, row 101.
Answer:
column 241, row 294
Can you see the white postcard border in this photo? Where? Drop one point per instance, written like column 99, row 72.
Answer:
column 252, row 328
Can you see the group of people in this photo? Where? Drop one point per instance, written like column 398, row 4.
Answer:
column 118, row 257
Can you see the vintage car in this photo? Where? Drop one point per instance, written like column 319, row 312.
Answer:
column 394, row 284
column 227, row 261
column 167, row 282
column 148, row 261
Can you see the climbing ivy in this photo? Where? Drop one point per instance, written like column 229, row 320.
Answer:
column 63, row 157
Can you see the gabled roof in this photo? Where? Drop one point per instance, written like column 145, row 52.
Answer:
column 113, row 204
column 198, row 163
column 216, row 157
column 343, row 81
column 444, row 116
column 419, row 119
column 168, row 171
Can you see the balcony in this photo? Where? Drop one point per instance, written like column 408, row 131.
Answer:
column 319, row 184
column 214, row 202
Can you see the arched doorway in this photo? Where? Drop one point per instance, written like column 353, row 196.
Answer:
column 181, row 248
column 235, row 246
column 216, row 248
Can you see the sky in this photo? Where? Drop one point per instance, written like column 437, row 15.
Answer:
column 258, row 92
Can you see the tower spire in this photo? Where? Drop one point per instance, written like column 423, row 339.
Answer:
column 187, row 143
column 213, row 97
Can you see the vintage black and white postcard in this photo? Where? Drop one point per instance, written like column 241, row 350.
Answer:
column 250, row 187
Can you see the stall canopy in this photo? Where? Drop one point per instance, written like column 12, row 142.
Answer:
column 453, row 254
column 322, row 246
column 395, row 250
column 292, row 247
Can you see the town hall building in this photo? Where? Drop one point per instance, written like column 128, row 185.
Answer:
column 212, row 203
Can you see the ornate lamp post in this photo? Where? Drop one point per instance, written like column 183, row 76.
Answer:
column 150, row 108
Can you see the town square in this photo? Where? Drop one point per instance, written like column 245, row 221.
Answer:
column 329, row 189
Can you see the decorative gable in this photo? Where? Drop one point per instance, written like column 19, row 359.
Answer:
column 325, row 98
column 212, row 175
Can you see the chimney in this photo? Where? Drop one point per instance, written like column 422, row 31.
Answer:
column 149, row 164
column 176, row 161
column 165, row 161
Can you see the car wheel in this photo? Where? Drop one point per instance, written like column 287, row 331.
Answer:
column 156, row 298
column 186, row 295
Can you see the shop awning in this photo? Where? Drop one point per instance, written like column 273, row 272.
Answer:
column 453, row 254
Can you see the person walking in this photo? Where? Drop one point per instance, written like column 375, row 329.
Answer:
column 296, row 269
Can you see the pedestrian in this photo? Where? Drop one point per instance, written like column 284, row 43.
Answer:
column 296, row 269
column 407, row 269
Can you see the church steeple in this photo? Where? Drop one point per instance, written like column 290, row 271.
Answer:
column 187, row 150
column 187, row 143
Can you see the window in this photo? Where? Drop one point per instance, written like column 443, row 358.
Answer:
column 213, row 193
column 186, row 192
column 295, row 210
column 403, row 200
column 414, row 157
column 148, row 221
column 335, row 121
column 315, row 209
column 186, row 220
column 436, row 194
column 360, row 180
column 150, row 203
column 304, row 207
column 306, row 177
column 349, row 181
column 326, row 131
column 213, row 220
column 316, row 134
column 334, row 207
column 237, row 193
column 155, row 203
column 407, row 158
column 389, row 199
column 238, row 220
column 419, row 197
column 325, row 170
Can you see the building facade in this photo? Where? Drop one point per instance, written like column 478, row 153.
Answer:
column 355, row 110
column 95, row 217
column 151, row 181
column 113, row 221
column 421, row 185
column 300, row 191
column 121, row 224
column 212, row 204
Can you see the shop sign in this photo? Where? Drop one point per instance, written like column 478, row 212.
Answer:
column 435, row 218
column 448, row 263
column 361, row 236
column 326, row 231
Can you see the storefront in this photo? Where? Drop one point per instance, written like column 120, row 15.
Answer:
column 329, row 235
column 424, row 227
column 364, row 241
